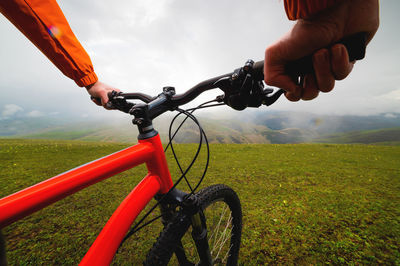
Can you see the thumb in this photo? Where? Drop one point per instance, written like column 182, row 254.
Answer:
column 274, row 71
column 104, row 98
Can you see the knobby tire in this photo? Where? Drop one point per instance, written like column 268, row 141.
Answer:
column 176, row 233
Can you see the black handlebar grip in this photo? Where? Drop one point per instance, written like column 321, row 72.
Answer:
column 258, row 70
column 355, row 45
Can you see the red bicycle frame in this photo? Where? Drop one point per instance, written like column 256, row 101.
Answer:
column 158, row 180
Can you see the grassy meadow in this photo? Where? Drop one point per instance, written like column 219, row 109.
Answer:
column 302, row 203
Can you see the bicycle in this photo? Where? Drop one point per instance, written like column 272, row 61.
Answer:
column 179, row 210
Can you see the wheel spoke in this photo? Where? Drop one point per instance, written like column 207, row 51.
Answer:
column 225, row 236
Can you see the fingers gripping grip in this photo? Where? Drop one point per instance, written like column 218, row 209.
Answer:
column 355, row 45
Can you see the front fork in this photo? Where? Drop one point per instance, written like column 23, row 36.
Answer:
column 199, row 235
column 191, row 210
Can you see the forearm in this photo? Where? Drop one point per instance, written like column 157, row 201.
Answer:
column 346, row 15
column 303, row 9
column 44, row 24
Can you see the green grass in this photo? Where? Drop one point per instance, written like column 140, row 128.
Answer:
column 61, row 134
column 302, row 204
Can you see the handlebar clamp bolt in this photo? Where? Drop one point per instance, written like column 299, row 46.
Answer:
column 138, row 121
column 135, row 112
column 169, row 90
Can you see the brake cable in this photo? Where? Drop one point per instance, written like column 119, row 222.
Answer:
column 139, row 225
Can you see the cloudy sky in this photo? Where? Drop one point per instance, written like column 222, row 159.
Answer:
column 145, row 45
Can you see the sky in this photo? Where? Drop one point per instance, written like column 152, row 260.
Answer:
column 146, row 45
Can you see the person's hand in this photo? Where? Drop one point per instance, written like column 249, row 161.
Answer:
column 312, row 36
column 100, row 90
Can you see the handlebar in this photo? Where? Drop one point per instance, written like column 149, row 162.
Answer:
column 195, row 91
column 242, row 88
column 198, row 89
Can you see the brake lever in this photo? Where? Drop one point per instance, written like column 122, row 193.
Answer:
column 116, row 102
column 268, row 100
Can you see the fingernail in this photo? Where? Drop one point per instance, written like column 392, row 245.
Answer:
column 322, row 57
column 338, row 52
column 341, row 51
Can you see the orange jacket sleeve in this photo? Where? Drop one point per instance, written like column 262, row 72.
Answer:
column 44, row 24
column 303, row 9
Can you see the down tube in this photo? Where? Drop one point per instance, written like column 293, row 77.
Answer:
column 103, row 249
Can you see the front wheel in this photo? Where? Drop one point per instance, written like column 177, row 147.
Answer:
column 223, row 217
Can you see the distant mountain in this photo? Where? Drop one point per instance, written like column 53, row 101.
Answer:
column 390, row 136
column 22, row 126
column 91, row 130
column 325, row 124
column 242, row 127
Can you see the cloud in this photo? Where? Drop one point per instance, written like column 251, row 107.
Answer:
column 393, row 95
column 35, row 113
column 11, row 109
column 145, row 45
column 391, row 115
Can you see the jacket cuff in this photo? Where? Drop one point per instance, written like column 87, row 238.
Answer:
column 87, row 80
column 304, row 9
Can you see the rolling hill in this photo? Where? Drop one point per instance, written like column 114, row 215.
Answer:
column 389, row 135
column 242, row 127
